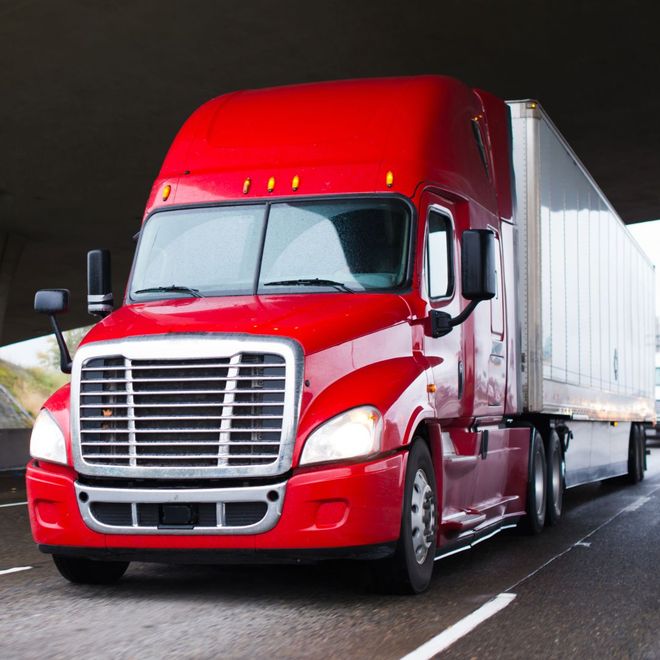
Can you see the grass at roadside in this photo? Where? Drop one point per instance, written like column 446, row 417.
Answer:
column 30, row 387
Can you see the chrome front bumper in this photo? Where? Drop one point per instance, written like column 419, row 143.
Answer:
column 130, row 504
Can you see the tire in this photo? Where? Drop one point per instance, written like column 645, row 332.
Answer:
column 556, row 484
column 89, row 571
column 536, row 505
column 410, row 569
column 636, row 455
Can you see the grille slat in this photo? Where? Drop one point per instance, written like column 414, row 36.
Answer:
column 201, row 443
column 176, row 457
column 234, row 422
column 264, row 404
column 173, row 391
column 264, row 365
column 241, row 429
column 149, row 418
column 179, row 380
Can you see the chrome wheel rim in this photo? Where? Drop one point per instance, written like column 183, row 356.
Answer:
column 539, row 484
column 422, row 516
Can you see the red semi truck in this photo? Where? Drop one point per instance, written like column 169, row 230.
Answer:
column 377, row 319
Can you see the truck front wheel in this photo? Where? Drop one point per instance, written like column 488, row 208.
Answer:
column 410, row 569
column 89, row 571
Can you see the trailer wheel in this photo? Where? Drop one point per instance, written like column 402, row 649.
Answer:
column 555, row 478
column 89, row 571
column 636, row 454
column 409, row 570
column 537, row 489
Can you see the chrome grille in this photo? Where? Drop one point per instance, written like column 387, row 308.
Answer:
column 186, row 406
column 192, row 413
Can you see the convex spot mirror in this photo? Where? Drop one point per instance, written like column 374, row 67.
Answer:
column 478, row 275
column 51, row 301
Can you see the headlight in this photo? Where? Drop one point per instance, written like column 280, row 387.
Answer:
column 354, row 433
column 47, row 440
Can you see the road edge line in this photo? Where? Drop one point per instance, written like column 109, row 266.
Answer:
column 18, row 569
column 461, row 628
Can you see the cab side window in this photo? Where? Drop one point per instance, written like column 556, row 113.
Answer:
column 440, row 255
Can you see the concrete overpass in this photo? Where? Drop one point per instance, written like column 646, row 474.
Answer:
column 93, row 92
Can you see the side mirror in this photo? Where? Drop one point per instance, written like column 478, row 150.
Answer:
column 52, row 302
column 99, row 283
column 478, row 278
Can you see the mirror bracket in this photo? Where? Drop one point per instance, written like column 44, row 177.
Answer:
column 442, row 322
column 65, row 356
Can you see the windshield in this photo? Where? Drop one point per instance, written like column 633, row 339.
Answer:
column 331, row 246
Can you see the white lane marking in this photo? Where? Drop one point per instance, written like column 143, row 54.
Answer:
column 2, row 506
column 640, row 501
column 18, row 569
column 464, row 626
column 452, row 634
column 637, row 504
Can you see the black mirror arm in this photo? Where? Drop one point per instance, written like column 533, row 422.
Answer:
column 65, row 356
column 442, row 323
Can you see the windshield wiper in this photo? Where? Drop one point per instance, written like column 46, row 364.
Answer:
column 174, row 288
column 311, row 282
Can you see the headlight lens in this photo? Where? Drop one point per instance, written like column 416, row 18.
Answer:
column 47, row 440
column 354, row 433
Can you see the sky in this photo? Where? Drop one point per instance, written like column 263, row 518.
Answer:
column 647, row 234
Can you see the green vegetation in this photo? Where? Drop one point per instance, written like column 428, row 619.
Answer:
column 50, row 358
column 30, row 387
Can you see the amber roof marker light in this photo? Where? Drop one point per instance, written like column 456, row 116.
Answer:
column 389, row 179
column 166, row 192
column 295, row 183
column 271, row 184
column 246, row 185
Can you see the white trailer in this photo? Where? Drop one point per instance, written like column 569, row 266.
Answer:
column 586, row 301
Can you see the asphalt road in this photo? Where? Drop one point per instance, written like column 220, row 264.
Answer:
column 587, row 588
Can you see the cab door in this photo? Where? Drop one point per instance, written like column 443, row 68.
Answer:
column 447, row 358
column 496, row 387
column 441, row 288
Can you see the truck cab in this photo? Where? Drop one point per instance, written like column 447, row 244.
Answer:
column 316, row 354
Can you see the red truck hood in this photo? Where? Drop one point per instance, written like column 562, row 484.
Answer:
column 317, row 321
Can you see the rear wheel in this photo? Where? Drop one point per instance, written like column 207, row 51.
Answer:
column 89, row 571
column 535, row 509
column 410, row 569
column 555, row 478
column 636, row 454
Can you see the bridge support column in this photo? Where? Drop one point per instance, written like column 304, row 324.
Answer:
column 11, row 248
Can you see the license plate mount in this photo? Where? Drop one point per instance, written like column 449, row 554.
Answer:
column 177, row 516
